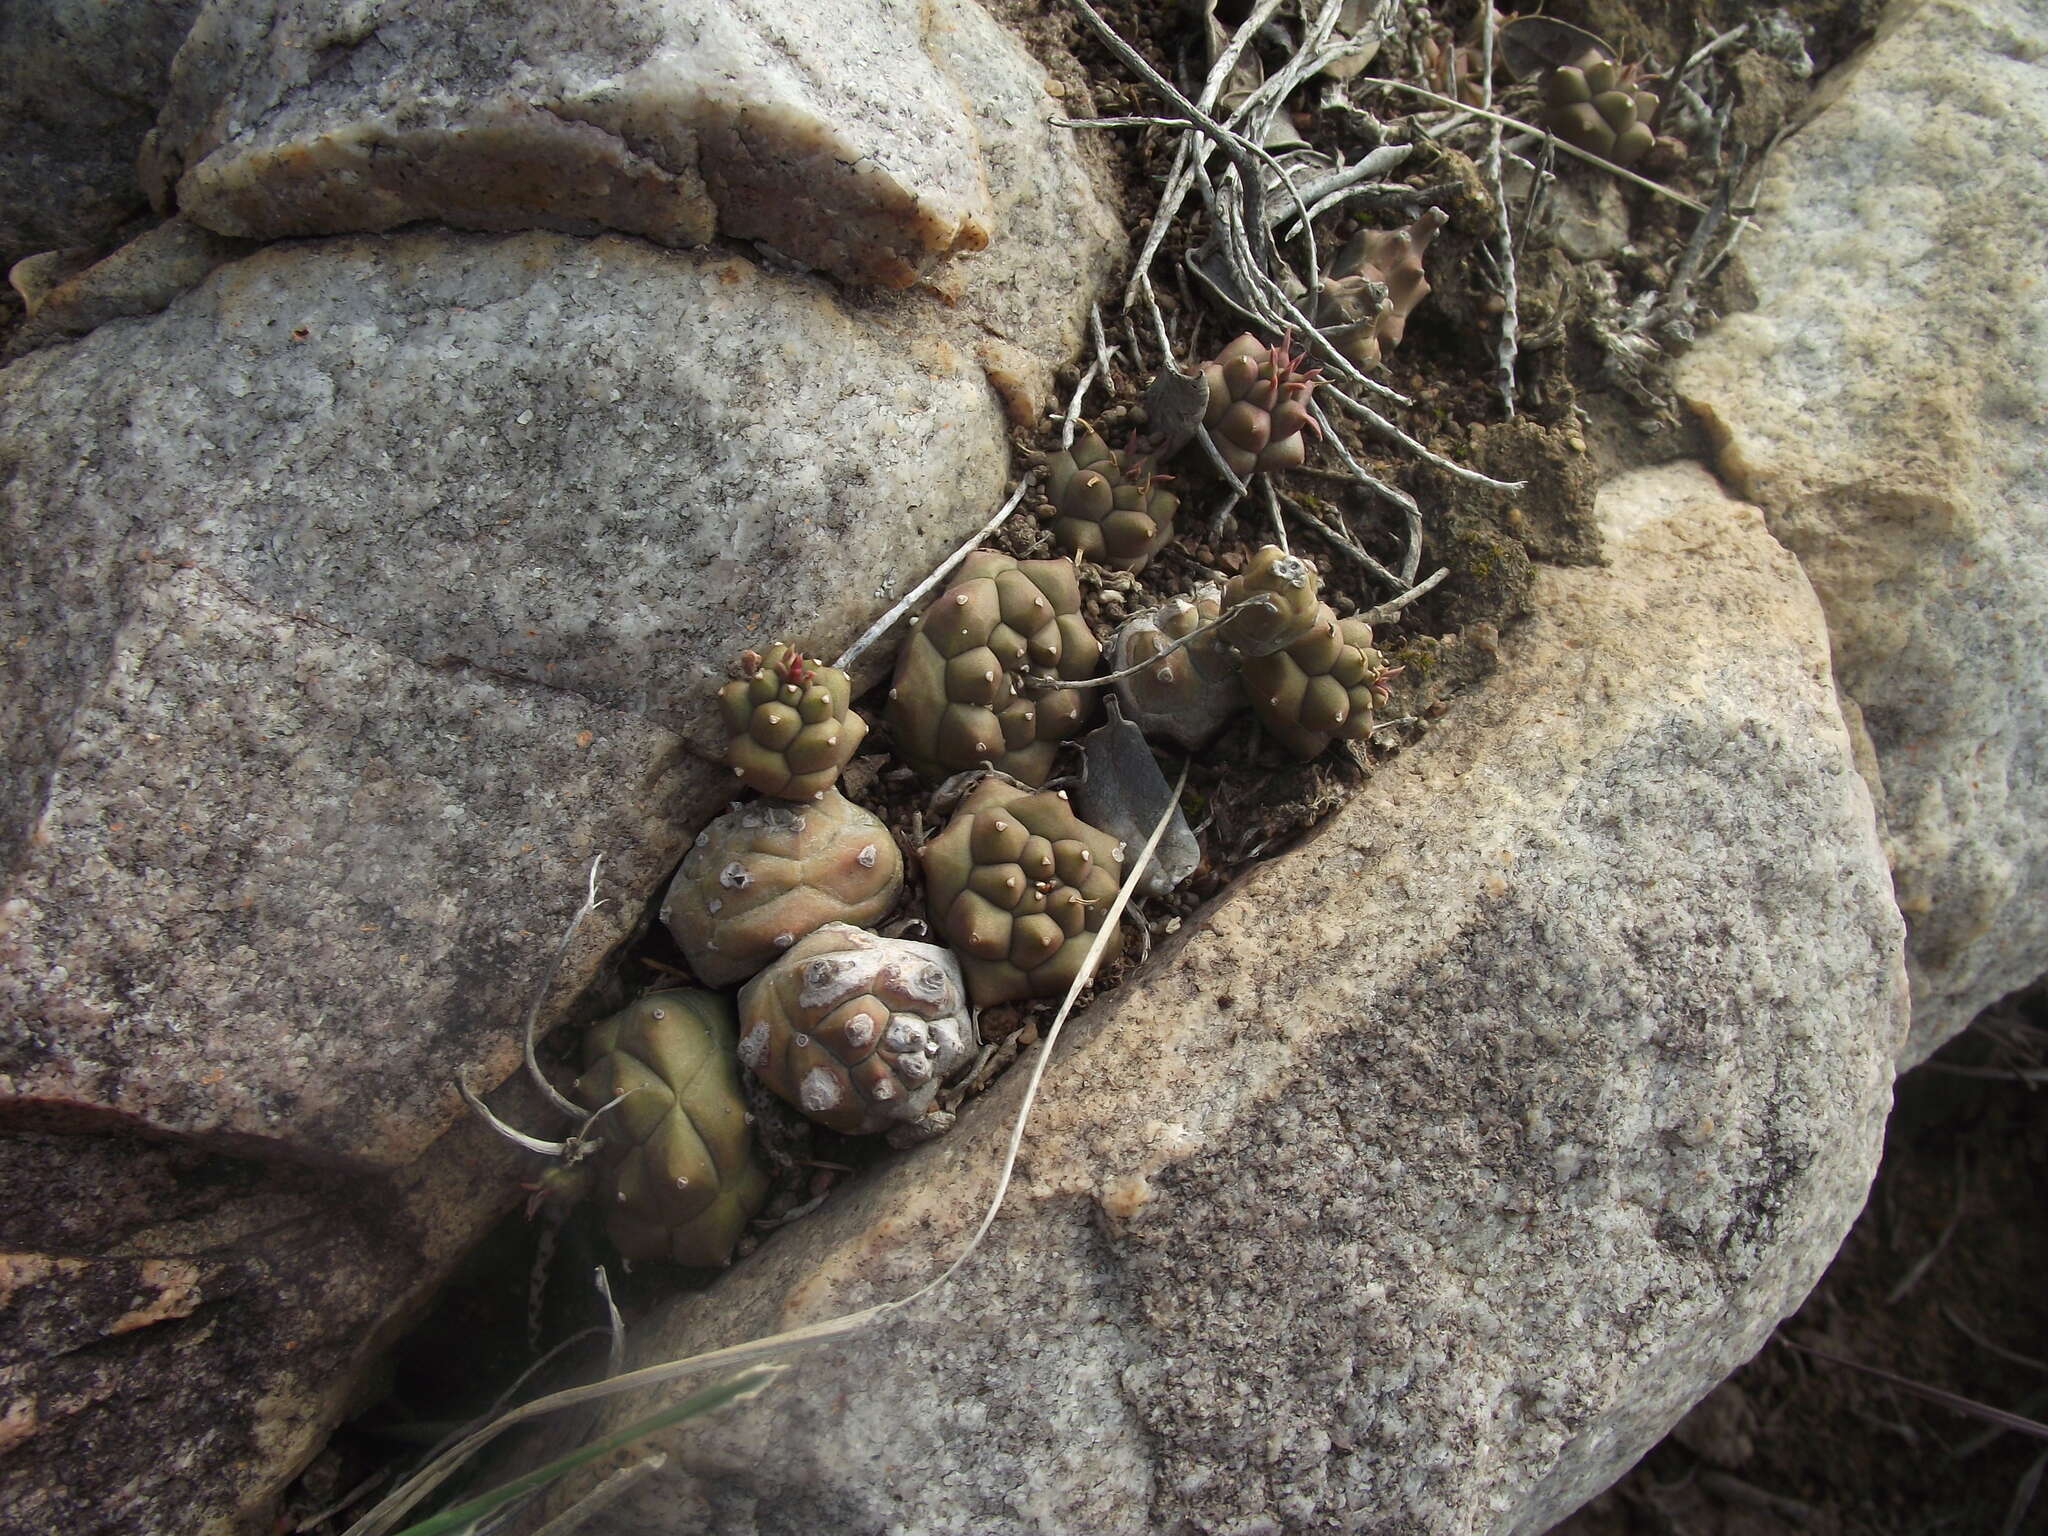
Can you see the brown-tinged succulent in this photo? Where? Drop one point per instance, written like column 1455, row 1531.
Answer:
column 1258, row 406
column 1272, row 603
column 1018, row 885
column 858, row 1031
column 957, row 701
column 1186, row 695
column 1373, row 286
column 678, row 1179
column 1320, row 688
column 792, row 722
column 1589, row 99
column 765, row 874
column 1108, row 505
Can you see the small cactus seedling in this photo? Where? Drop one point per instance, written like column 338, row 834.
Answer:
column 1258, row 406
column 678, row 1180
column 1018, row 884
column 1320, row 688
column 1185, row 695
column 957, row 701
column 763, row 875
column 1373, row 286
column 792, row 722
column 858, row 1031
column 1291, row 602
column 1108, row 506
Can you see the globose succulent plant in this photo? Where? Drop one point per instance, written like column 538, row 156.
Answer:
column 1319, row 688
column 858, row 1031
column 1373, row 286
column 765, row 874
column 1258, row 406
column 1185, row 695
column 956, row 701
column 792, row 722
column 1271, row 603
column 1603, row 108
column 1018, row 885
column 678, row 1180
column 1106, row 505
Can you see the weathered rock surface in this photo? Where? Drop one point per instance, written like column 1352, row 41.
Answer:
column 80, row 84
column 841, row 133
column 375, row 586
column 74, row 298
column 180, row 1330
column 1884, row 406
column 1435, row 1173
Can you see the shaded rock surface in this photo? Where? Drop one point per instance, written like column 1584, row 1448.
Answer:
column 841, row 134
column 182, row 1329
column 80, row 84
column 376, row 585
column 1884, row 405
column 1436, row 1172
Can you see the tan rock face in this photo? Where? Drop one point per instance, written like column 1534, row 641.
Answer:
column 834, row 133
column 1506, row 1114
column 1883, row 405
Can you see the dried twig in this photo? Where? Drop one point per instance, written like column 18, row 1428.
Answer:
column 1514, row 122
column 909, row 600
column 1510, row 295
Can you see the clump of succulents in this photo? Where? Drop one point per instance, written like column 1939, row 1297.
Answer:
column 959, row 700
column 1321, row 688
column 1018, row 885
column 1183, row 693
column 1373, row 286
column 1590, row 99
column 792, row 722
column 678, row 1179
column 1258, row 413
column 858, row 1031
column 1107, row 505
column 765, row 874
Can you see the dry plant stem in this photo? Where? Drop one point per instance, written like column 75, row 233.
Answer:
column 1708, row 49
column 1074, row 407
column 1514, row 122
column 579, row 1514
column 1540, row 179
column 1344, row 544
column 1103, row 352
column 1116, row 122
column 548, row 1090
column 1950, row 1400
column 909, row 600
column 1394, row 605
column 1273, row 509
column 1997, row 1349
column 1386, row 428
column 615, row 1355
column 1262, row 600
column 379, row 1521
column 1510, row 318
column 1242, row 154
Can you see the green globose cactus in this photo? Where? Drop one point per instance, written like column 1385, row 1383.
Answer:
column 792, row 722
column 858, row 1031
column 763, row 875
column 1320, row 688
column 956, row 702
column 1107, row 506
column 1601, row 107
column 1018, row 885
column 1273, row 602
column 1258, row 406
column 679, row 1179
column 1373, row 286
